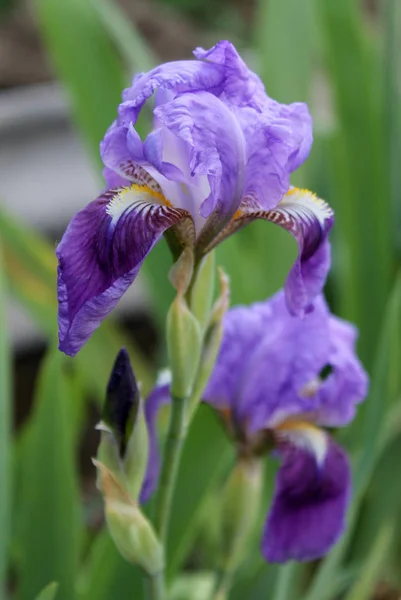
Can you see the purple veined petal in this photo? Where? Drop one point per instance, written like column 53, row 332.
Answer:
column 311, row 497
column 101, row 253
column 309, row 219
column 217, row 150
column 156, row 399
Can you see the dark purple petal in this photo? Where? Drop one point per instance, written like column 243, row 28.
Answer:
column 309, row 219
column 310, row 501
column 159, row 396
column 100, row 255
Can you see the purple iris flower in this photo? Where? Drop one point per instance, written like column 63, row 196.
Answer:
column 277, row 381
column 220, row 155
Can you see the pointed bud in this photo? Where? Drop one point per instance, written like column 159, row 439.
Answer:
column 124, row 439
column 132, row 533
column 212, row 340
column 203, row 290
column 239, row 507
column 184, row 342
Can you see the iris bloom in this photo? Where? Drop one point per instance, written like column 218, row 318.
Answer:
column 220, row 154
column 277, row 382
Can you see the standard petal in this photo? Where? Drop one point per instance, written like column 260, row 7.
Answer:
column 217, row 150
column 348, row 382
column 242, row 87
column 101, row 253
column 311, row 496
column 156, row 399
column 309, row 219
column 180, row 77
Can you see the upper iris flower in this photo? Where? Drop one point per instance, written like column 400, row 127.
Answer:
column 278, row 379
column 220, row 155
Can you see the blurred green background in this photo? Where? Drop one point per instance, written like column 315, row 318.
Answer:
column 344, row 58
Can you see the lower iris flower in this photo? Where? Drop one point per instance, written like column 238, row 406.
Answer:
column 219, row 155
column 278, row 382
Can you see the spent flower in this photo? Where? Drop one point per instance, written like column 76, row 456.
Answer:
column 219, row 155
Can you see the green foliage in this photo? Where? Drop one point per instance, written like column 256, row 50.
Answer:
column 49, row 592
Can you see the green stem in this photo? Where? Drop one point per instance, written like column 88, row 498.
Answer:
column 154, row 587
column 169, row 470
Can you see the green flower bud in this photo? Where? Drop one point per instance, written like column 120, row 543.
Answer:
column 123, row 445
column 239, row 507
column 212, row 341
column 184, row 342
column 203, row 290
column 132, row 533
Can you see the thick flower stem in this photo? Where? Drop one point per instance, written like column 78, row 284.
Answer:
column 171, row 461
column 154, row 587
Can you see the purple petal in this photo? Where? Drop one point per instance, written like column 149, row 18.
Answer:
column 159, row 396
column 217, row 150
column 242, row 87
column 180, row 76
column 347, row 385
column 100, row 255
column 309, row 220
column 310, row 501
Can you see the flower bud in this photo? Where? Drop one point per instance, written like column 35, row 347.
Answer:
column 239, row 508
column 123, row 446
column 212, row 340
column 132, row 533
column 184, row 342
column 203, row 290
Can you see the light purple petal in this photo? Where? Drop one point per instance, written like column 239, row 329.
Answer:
column 180, row 77
column 242, row 87
column 309, row 506
column 159, row 396
column 100, row 255
column 347, row 385
column 217, row 150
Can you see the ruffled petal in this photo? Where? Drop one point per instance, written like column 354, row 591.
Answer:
column 348, row 382
column 180, row 77
column 101, row 253
column 311, row 496
column 156, row 399
column 217, row 149
column 309, row 219
column 242, row 87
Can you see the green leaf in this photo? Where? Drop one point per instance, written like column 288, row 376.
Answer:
column 50, row 535
column 107, row 575
column 5, row 431
column 49, row 593
column 359, row 170
column 385, row 373
column 129, row 41
column 364, row 587
column 86, row 61
column 208, row 451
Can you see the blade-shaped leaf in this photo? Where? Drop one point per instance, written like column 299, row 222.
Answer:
column 49, row 593
column 49, row 505
column 5, row 431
